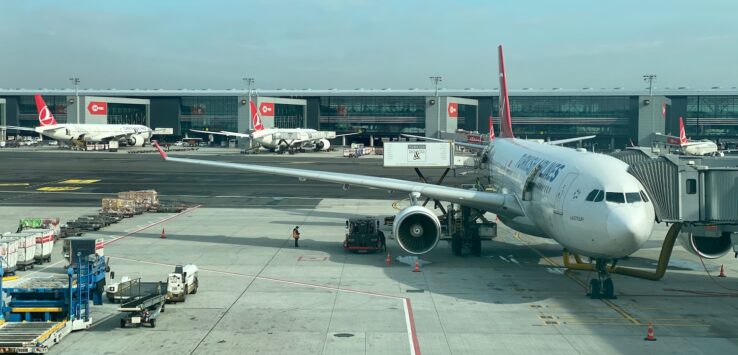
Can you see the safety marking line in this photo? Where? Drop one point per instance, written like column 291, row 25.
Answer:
column 117, row 238
column 58, row 188
column 407, row 306
column 79, row 181
column 14, row 184
column 312, row 258
column 609, row 303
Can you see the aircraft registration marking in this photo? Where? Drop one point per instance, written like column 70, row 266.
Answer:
column 79, row 181
column 58, row 188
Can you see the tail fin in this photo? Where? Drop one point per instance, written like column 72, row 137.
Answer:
column 682, row 134
column 45, row 117
column 505, row 119
column 491, row 129
column 256, row 118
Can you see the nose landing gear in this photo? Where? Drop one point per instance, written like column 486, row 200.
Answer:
column 602, row 287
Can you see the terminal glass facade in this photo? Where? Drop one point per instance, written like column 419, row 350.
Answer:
column 126, row 114
column 289, row 116
column 213, row 113
column 373, row 114
column 28, row 114
column 712, row 117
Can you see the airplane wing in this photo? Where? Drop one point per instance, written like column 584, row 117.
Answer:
column 345, row 134
column 18, row 128
column 503, row 204
column 223, row 133
column 568, row 140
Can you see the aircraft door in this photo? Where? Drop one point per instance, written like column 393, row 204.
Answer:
column 561, row 193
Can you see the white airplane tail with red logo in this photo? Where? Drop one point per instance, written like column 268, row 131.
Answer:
column 682, row 133
column 505, row 119
column 45, row 117
column 256, row 118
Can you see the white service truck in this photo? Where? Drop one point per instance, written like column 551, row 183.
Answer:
column 181, row 282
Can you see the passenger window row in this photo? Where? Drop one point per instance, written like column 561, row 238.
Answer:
column 617, row 197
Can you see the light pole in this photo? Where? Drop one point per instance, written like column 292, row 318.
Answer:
column 650, row 78
column 248, row 82
column 436, row 80
column 75, row 81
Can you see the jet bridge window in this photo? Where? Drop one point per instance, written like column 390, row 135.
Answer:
column 616, row 197
column 632, row 197
column 643, row 196
column 691, row 186
column 592, row 195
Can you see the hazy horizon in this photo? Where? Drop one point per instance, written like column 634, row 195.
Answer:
column 324, row 44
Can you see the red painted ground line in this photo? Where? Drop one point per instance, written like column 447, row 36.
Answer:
column 115, row 239
column 409, row 318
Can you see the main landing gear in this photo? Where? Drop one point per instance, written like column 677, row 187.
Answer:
column 602, row 287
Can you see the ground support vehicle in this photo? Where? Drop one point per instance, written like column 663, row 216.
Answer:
column 181, row 282
column 363, row 235
column 121, row 291
column 146, row 307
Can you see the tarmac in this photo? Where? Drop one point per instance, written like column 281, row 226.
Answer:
column 259, row 294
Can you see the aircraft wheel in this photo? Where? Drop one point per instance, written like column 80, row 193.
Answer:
column 608, row 289
column 595, row 289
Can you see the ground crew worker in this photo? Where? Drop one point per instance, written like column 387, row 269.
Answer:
column 296, row 235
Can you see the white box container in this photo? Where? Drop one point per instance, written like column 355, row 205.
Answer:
column 418, row 154
column 26, row 248
column 9, row 253
column 44, row 244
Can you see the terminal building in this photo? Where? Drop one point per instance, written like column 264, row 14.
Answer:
column 617, row 117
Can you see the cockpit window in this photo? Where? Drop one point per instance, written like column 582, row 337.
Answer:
column 600, row 196
column 632, row 197
column 592, row 195
column 616, row 197
column 643, row 196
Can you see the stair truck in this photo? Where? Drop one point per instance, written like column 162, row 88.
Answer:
column 42, row 310
column 146, row 301
column 181, row 282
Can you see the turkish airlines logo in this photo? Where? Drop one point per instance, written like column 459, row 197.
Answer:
column 266, row 108
column 45, row 116
column 97, row 108
column 257, row 122
column 453, row 109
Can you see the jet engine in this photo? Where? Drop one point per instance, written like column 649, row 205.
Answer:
column 136, row 140
column 323, row 144
column 706, row 247
column 417, row 229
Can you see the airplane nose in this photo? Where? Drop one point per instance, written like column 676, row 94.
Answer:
column 629, row 228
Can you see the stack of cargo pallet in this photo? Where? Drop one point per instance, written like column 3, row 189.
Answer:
column 118, row 206
column 143, row 200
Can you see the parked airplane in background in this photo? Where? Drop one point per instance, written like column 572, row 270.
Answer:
column 282, row 140
column 134, row 135
column 587, row 202
column 702, row 147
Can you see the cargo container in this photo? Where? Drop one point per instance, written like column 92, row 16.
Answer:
column 41, row 223
column 9, row 254
column 118, row 206
column 44, row 244
column 26, row 248
column 144, row 199
column 84, row 246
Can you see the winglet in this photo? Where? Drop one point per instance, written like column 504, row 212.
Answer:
column 161, row 151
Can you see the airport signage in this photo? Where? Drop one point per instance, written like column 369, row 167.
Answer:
column 266, row 108
column 453, row 110
column 97, row 108
column 418, row 154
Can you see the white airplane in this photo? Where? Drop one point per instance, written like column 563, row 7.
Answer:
column 281, row 140
column 702, row 147
column 586, row 202
column 134, row 135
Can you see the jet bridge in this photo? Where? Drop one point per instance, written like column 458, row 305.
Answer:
column 699, row 192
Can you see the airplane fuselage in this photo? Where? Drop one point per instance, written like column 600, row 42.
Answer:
column 274, row 137
column 557, row 189
column 94, row 132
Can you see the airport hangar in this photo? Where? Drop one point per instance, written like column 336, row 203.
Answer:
column 617, row 116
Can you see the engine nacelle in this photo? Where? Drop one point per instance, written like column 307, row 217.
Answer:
column 706, row 247
column 136, row 140
column 417, row 229
column 322, row 144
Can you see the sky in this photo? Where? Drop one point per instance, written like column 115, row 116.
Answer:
column 348, row 44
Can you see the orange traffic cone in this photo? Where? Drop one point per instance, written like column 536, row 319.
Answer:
column 163, row 234
column 722, row 271
column 388, row 261
column 417, row 266
column 649, row 333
